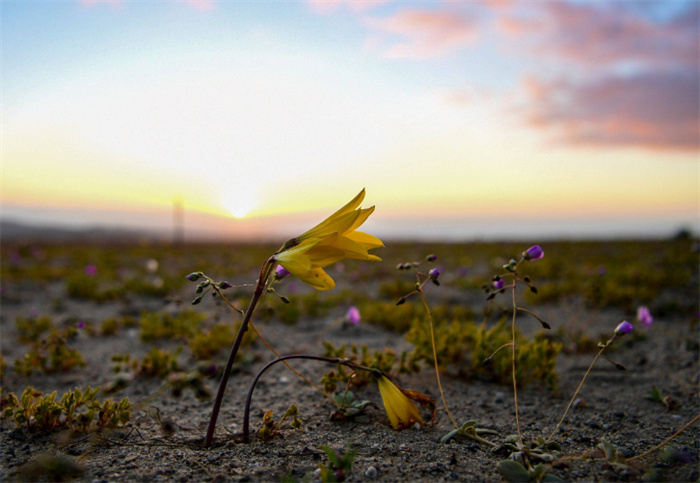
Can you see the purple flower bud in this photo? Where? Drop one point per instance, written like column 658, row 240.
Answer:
column 224, row 285
column 434, row 273
column 81, row 325
column 90, row 270
column 431, row 257
column 644, row 316
column 533, row 253
column 353, row 315
column 281, row 272
column 193, row 277
column 624, row 328
column 498, row 284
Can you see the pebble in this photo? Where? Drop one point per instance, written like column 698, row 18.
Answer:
column 371, row 472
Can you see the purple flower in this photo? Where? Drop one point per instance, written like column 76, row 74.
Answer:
column 91, row 270
column 81, row 325
column 353, row 315
column 533, row 253
column 434, row 273
column 280, row 272
column 624, row 328
column 644, row 316
column 498, row 284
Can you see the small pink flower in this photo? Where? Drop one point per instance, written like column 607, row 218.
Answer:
column 624, row 328
column 353, row 315
column 533, row 253
column 91, row 270
column 644, row 316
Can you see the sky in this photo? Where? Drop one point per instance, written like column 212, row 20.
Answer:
column 463, row 120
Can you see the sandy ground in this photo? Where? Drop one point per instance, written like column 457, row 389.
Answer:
column 163, row 441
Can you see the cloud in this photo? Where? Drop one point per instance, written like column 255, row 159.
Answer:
column 332, row 6
column 656, row 110
column 595, row 35
column 422, row 33
column 203, row 5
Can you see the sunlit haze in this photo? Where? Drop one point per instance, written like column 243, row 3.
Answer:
column 463, row 120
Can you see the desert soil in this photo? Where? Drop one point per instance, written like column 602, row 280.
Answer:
column 163, row 441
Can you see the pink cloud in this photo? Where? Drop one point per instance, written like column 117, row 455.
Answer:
column 89, row 3
column 591, row 34
column 423, row 33
column 651, row 110
column 203, row 5
column 331, row 6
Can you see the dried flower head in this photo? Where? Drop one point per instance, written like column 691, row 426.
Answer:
column 399, row 407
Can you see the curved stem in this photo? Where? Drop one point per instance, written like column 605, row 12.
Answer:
column 573, row 398
column 264, row 341
column 249, row 398
column 259, row 290
column 437, row 369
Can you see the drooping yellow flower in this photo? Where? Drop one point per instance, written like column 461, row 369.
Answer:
column 399, row 407
column 330, row 241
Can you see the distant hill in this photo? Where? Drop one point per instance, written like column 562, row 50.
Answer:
column 12, row 231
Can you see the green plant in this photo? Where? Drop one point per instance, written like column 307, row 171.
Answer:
column 50, row 355
column 382, row 360
column 77, row 410
column 340, row 464
column 29, row 330
column 270, row 428
column 206, row 344
column 465, row 346
column 161, row 325
column 350, row 408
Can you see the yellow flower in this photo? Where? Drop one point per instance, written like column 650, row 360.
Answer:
column 328, row 242
column 399, row 407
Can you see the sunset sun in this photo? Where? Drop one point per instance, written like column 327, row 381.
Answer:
column 239, row 203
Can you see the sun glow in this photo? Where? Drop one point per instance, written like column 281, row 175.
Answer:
column 239, row 203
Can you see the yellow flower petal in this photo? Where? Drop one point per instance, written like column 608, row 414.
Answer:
column 317, row 278
column 330, row 224
column 364, row 239
column 400, row 409
column 328, row 242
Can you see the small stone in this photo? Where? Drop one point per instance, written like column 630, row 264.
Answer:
column 371, row 472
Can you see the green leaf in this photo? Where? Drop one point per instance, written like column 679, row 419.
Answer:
column 446, row 439
column 513, row 472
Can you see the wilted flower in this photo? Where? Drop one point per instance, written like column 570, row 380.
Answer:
column 329, row 242
column 353, row 315
column 644, row 316
column 624, row 328
column 533, row 253
column 399, row 407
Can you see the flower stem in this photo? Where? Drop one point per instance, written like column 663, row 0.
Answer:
column 249, row 398
column 435, row 358
column 573, row 398
column 252, row 326
column 259, row 290
column 515, row 383
column 667, row 440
